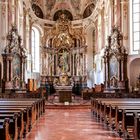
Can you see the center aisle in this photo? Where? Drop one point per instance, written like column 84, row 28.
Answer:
column 69, row 124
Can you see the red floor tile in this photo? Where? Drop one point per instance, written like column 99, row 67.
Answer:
column 70, row 124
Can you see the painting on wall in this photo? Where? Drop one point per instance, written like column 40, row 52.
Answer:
column 88, row 11
column 113, row 67
column 50, row 4
column 37, row 10
column 76, row 4
column 16, row 66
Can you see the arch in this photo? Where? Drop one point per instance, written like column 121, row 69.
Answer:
column 88, row 10
column 38, row 11
column 134, row 71
column 89, row 57
column 35, row 52
column 60, row 12
column 39, row 29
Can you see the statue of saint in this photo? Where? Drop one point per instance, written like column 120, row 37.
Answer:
column 63, row 63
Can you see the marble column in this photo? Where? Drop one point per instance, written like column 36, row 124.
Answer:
column 125, row 21
column 122, row 70
column 70, row 63
column 24, row 63
column 119, row 70
column 10, row 68
column 3, row 23
column 84, row 64
column 105, row 72
column 13, row 12
column 73, row 65
column 4, row 67
column 115, row 12
column 112, row 4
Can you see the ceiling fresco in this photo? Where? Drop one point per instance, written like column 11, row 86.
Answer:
column 76, row 9
column 88, row 11
column 50, row 4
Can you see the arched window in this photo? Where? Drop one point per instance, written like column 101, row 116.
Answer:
column 35, row 49
column 135, row 13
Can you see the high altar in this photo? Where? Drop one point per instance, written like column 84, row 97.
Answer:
column 64, row 55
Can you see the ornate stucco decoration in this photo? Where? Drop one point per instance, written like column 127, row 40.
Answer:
column 50, row 7
column 63, row 34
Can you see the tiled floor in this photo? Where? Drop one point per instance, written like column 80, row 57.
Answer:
column 69, row 124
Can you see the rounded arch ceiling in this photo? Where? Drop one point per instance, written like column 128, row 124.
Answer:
column 37, row 10
column 74, row 9
column 88, row 10
column 60, row 12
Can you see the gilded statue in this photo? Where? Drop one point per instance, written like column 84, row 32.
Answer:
column 63, row 79
column 63, row 63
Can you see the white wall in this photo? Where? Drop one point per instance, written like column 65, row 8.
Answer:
column 89, row 57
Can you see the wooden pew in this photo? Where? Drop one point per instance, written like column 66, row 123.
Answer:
column 20, row 121
column 136, row 126
column 40, row 104
column 121, row 110
column 13, row 128
column 33, row 109
column 31, row 105
column 26, row 118
column 4, row 129
column 98, row 103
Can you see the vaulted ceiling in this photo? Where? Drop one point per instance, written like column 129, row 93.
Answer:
column 74, row 9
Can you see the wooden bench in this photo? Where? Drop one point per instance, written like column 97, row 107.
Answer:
column 40, row 103
column 4, row 129
column 20, row 121
column 26, row 117
column 31, row 110
column 137, row 125
column 13, row 128
column 119, row 114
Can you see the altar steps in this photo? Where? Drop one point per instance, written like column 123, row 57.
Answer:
column 77, row 103
column 67, row 107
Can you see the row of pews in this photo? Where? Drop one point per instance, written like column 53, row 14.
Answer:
column 17, row 116
column 121, row 115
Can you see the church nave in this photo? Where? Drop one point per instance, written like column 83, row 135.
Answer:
column 69, row 124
